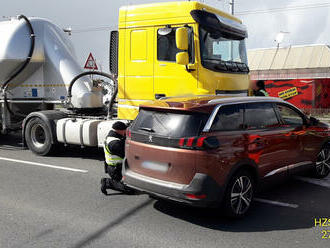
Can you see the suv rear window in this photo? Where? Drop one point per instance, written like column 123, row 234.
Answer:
column 169, row 124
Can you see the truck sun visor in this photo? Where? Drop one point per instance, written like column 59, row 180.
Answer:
column 215, row 23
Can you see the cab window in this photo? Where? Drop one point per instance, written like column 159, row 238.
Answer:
column 166, row 45
column 289, row 116
column 260, row 115
column 229, row 118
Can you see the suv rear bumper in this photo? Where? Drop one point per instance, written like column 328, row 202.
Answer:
column 200, row 185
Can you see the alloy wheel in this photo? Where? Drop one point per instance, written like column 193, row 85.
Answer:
column 323, row 161
column 241, row 195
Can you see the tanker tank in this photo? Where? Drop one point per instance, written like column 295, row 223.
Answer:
column 51, row 68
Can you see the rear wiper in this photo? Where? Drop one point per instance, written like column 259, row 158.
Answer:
column 150, row 130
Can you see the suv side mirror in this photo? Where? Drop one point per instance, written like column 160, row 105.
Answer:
column 211, row 143
column 313, row 121
column 181, row 38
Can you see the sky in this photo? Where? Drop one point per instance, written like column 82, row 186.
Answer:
column 306, row 21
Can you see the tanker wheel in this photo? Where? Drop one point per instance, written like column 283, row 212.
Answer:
column 38, row 137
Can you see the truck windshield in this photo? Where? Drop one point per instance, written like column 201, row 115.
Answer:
column 222, row 54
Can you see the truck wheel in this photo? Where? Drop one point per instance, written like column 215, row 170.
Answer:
column 322, row 165
column 239, row 194
column 38, row 137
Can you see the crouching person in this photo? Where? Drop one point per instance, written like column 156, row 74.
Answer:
column 114, row 151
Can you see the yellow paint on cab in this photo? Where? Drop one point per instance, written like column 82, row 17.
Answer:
column 142, row 76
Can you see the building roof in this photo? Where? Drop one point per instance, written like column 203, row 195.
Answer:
column 312, row 61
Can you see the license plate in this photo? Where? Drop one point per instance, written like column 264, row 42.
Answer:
column 156, row 166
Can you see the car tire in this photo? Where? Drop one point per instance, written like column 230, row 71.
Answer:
column 38, row 137
column 322, row 165
column 239, row 194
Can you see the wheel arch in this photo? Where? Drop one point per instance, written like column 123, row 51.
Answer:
column 49, row 117
column 246, row 164
column 325, row 142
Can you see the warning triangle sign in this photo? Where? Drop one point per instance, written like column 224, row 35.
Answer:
column 91, row 63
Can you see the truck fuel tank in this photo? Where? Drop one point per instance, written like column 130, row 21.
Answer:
column 77, row 131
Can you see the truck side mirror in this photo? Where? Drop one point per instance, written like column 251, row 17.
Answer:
column 181, row 38
column 182, row 58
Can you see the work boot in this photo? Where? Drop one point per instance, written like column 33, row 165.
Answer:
column 104, row 186
column 129, row 191
column 119, row 186
column 106, row 183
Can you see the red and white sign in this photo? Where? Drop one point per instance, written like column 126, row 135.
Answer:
column 91, row 63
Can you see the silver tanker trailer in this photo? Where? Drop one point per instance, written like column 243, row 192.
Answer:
column 39, row 71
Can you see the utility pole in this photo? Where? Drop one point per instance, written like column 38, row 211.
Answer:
column 232, row 3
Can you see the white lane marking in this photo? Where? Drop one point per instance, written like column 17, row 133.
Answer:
column 277, row 203
column 319, row 182
column 9, row 146
column 43, row 165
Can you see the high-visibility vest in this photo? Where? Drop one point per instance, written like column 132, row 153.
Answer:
column 110, row 159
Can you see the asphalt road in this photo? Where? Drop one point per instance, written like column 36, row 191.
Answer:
column 44, row 206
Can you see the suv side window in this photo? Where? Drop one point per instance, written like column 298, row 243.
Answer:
column 260, row 115
column 229, row 117
column 166, row 45
column 290, row 116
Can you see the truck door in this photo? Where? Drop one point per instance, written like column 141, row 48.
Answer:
column 170, row 78
column 139, row 65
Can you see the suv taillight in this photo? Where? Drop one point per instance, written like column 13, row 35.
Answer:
column 199, row 142
column 128, row 134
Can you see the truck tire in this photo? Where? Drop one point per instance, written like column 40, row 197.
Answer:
column 38, row 137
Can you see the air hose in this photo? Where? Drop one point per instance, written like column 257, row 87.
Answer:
column 74, row 80
column 5, row 85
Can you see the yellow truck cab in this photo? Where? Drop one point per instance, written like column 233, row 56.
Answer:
column 178, row 49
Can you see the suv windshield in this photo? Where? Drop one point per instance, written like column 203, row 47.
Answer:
column 220, row 53
column 169, row 124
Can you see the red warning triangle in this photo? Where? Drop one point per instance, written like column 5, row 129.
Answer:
column 91, row 63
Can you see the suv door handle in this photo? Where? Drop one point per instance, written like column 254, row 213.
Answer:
column 257, row 144
column 293, row 134
column 259, row 141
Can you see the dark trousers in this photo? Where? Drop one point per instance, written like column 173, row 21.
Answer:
column 115, row 176
column 113, row 171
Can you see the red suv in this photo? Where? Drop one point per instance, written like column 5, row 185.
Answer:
column 209, row 150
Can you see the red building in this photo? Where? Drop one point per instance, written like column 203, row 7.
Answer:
column 298, row 74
